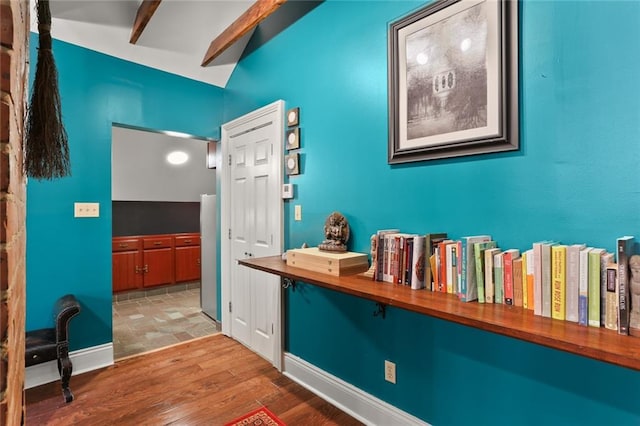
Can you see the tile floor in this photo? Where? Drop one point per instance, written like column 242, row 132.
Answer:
column 158, row 318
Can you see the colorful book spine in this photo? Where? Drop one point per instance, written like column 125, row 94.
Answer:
column 573, row 281
column 380, row 257
column 558, row 283
column 458, row 267
column 498, row 278
column 537, row 277
column 418, row 263
column 605, row 260
column 451, row 270
column 611, row 304
column 624, row 250
column 525, row 296
column 530, row 279
column 583, row 287
column 489, row 283
column 508, row 282
column 546, row 279
column 430, row 242
column 594, row 286
column 468, row 281
column 408, row 260
column 442, row 268
column 479, row 249
column 517, row 282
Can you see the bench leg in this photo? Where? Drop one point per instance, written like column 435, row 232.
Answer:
column 65, row 368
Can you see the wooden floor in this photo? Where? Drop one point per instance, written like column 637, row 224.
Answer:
column 208, row 381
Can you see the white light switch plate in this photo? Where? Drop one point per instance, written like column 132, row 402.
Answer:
column 86, row 209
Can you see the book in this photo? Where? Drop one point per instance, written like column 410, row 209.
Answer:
column 430, row 243
column 508, row 256
column 583, row 287
column 380, row 255
column 558, row 281
column 441, row 260
column 611, row 302
column 468, row 280
column 606, row 259
column 634, row 297
column 489, row 283
column 528, row 296
column 452, row 267
column 624, row 250
column 546, row 278
column 479, row 249
column 418, row 263
column 498, row 278
column 573, row 282
column 537, row 277
column 408, row 261
column 594, row 286
column 518, row 288
column 458, row 267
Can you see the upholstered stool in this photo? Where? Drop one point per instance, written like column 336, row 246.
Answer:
column 48, row 344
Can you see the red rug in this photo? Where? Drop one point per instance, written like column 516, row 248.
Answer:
column 260, row 416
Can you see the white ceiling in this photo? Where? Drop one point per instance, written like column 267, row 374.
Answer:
column 175, row 40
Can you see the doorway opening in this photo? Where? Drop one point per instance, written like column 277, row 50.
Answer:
column 161, row 260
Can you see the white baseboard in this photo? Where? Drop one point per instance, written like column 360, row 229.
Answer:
column 353, row 401
column 83, row 360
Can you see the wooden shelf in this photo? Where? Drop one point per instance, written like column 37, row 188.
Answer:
column 597, row 343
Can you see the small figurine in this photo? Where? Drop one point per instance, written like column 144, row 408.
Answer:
column 371, row 272
column 336, row 233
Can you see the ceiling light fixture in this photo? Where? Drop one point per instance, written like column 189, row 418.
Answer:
column 177, row 157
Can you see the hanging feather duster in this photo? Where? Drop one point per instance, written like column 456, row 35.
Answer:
column 46, row 150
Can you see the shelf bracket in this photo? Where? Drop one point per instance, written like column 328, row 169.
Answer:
column 381, row 310
column 288, row 282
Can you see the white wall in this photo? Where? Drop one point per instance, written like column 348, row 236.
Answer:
column 140, row 171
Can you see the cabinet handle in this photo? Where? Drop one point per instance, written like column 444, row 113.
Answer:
column 146, row 268
column 123, row 245
column 187, row 241
column 198, row 261
column 138, row 270
column 157, row 243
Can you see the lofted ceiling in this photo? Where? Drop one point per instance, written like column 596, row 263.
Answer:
column 180, row 36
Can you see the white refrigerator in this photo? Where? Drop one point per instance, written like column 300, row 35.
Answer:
column 208, row 242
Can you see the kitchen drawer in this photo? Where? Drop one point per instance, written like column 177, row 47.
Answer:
column 125, row 244
column 157, row 242
column 187, row 240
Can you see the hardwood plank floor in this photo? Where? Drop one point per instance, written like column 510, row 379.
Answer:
column 207, row 381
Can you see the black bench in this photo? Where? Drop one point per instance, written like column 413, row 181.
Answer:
column 48, row 344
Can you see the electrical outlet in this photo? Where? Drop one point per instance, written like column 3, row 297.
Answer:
column 297, row 212
column 86, row 209
column 390, row 372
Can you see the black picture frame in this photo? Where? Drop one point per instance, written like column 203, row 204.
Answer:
column 453, row 80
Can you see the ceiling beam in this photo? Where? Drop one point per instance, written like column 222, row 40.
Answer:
column 143, row 16
column 246, row 22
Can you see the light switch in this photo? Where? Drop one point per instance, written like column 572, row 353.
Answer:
column 86, row 209
column 297, row 215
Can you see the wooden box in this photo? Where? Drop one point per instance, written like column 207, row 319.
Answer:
column 332, row 263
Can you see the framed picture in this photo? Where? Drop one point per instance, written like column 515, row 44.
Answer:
column 453, row 80
column 293, row 138
column 293, row 117
column 292, row 162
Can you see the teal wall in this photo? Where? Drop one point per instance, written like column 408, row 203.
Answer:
column 67, row 255
column 574, row 179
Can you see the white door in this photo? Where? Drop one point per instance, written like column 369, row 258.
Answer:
column 253, row 151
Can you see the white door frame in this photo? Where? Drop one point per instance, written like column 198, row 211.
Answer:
column 225, row 215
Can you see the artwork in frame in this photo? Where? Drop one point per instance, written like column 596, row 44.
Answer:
column 453, row 80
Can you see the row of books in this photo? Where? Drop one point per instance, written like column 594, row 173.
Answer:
column 576, row 283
